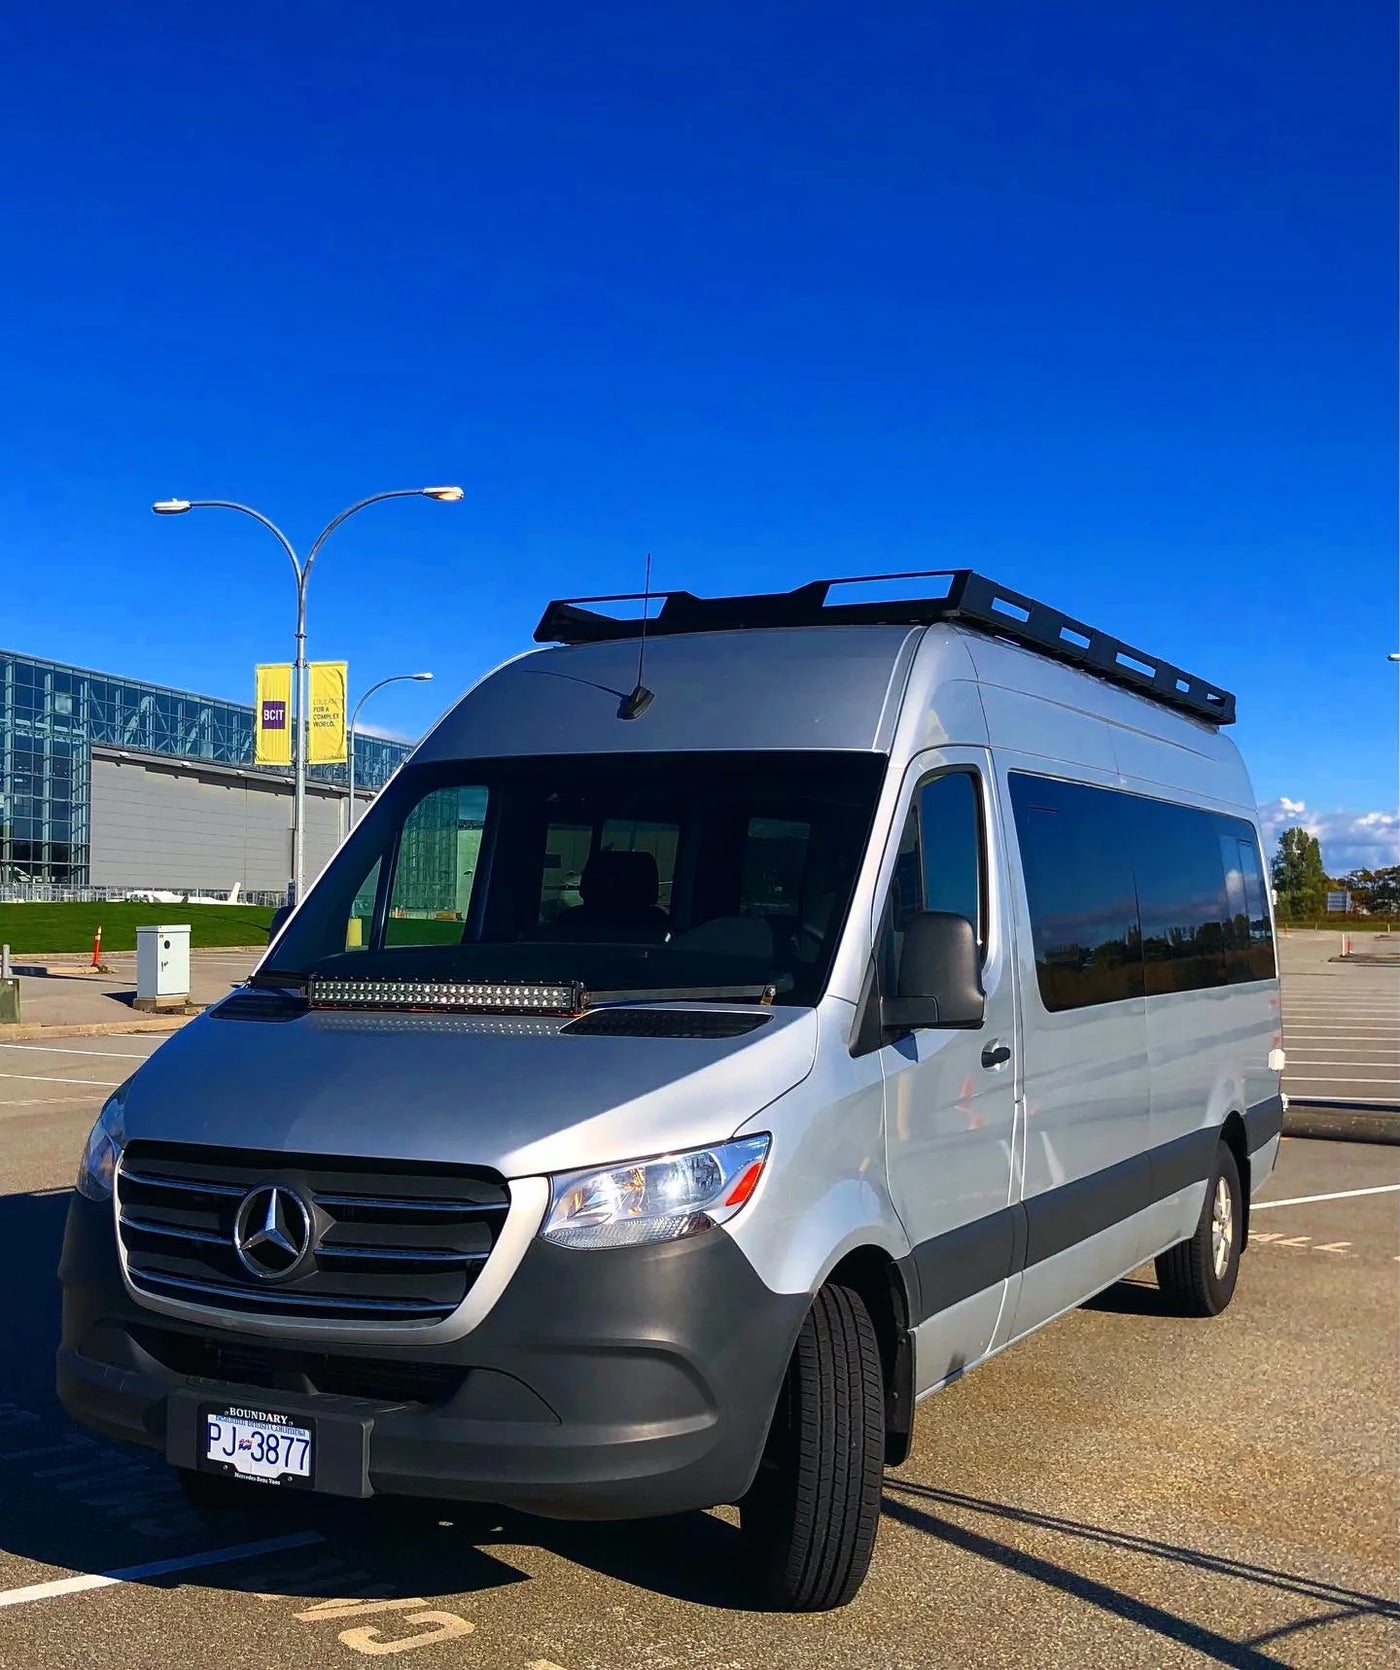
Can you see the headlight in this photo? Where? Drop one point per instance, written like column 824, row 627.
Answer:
column 654, row 1200
column 98, row 1166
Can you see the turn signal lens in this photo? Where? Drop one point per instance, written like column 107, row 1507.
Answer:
column 748, row 1182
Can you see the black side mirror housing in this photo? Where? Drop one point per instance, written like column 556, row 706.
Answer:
column 279, row 917
column 939, row 983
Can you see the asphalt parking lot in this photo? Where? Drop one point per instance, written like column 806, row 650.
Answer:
column 1125, row 1488
column 1341, row 1022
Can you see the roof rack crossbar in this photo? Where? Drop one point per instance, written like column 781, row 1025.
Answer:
column 967, row 599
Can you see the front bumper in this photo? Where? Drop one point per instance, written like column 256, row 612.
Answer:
column 601, row 1385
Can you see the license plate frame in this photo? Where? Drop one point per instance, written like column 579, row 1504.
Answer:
column 244, row 1421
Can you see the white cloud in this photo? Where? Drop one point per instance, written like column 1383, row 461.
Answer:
column 383, row 733
column 1349, row 840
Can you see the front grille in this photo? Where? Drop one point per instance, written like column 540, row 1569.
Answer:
column 243, row 1363
column 391, row 1241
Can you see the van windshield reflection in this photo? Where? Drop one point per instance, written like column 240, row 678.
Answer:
column 639, row 875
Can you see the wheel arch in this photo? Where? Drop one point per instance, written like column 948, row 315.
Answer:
column 884, row 1287
column 1232, row 1134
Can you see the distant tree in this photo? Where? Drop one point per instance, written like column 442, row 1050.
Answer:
column 1299, row 878
column 1375, row 891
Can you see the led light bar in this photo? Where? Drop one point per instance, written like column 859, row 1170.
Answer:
column 462, row 997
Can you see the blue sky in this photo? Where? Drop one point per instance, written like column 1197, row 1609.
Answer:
column 1098, row 298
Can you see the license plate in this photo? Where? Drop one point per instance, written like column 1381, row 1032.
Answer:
column 257, row 1444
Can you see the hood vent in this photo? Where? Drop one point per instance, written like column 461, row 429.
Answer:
column 249, row 1003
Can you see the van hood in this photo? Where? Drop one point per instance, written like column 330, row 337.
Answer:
column 518, row 1094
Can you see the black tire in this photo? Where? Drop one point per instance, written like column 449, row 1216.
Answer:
column 808, row 1523
column 217, row 1492
column 1186, row 1273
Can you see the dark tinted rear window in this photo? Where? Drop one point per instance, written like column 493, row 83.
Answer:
column 1079, row 879
column 1130, row 895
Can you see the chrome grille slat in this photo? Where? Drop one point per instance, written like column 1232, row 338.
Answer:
column 419, row 1255
column 393, row 1239
column 191, row 1185
column 323, row 1301
column 385, row 1203
column 177, row 1232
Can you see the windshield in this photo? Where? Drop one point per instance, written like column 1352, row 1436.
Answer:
column 623, row 872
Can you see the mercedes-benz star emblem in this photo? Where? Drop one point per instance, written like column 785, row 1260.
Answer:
column 272, row 1230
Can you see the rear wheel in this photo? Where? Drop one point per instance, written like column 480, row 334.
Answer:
column 808, row 1523
column 1197, row 1276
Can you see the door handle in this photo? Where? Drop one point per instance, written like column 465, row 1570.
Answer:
column 993, row 1055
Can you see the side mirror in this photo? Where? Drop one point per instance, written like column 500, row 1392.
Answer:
column 939, row 983
column 279, row 918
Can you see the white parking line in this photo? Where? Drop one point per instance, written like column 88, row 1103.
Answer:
column 1377, row 1036
column 43, row 1078
column 1345, row 1058
column 154, row 1568
column 1341, row 1194
column 53, row 1049
column 1304, row 1078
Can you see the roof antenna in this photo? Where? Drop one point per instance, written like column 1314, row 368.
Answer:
column 635, row 705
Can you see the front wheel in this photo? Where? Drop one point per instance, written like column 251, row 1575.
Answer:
column 809, row 1520
column 1197, row 1276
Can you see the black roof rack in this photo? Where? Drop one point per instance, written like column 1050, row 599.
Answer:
column 968, row 598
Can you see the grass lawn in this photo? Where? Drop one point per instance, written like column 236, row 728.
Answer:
column 31, row 929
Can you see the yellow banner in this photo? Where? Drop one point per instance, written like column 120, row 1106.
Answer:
column 326, row 745
column 272, row 716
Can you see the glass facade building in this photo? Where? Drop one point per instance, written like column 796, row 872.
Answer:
column 52, row 715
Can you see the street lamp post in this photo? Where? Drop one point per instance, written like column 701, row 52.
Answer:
column 302, row 570
column 393, row 678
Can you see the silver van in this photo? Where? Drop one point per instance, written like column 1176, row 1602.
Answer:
column 724, row 1031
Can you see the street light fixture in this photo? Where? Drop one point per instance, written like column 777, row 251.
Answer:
column 302, row 570
column 394, row 678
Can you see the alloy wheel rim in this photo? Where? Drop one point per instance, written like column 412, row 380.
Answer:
column 1222, row 1227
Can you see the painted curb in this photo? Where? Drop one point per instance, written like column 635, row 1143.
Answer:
column 31, row 1030
column 69, row 959
column 1336, row 1124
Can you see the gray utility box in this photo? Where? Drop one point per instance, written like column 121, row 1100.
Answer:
column 162, row 967
column 9, row 1001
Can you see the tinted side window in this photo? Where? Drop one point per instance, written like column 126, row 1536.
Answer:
column 1076, row 851
column 436, row 868
column 1183, row 896
column 939, row 865
column 1130, row 895
column 1252, row 938
column 950, row 846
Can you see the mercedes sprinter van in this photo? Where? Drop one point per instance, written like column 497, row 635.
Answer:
column 719, row 1035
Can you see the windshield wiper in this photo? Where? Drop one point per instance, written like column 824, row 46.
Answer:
column 765, row 993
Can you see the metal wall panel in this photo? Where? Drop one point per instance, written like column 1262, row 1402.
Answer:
column 178, row 826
